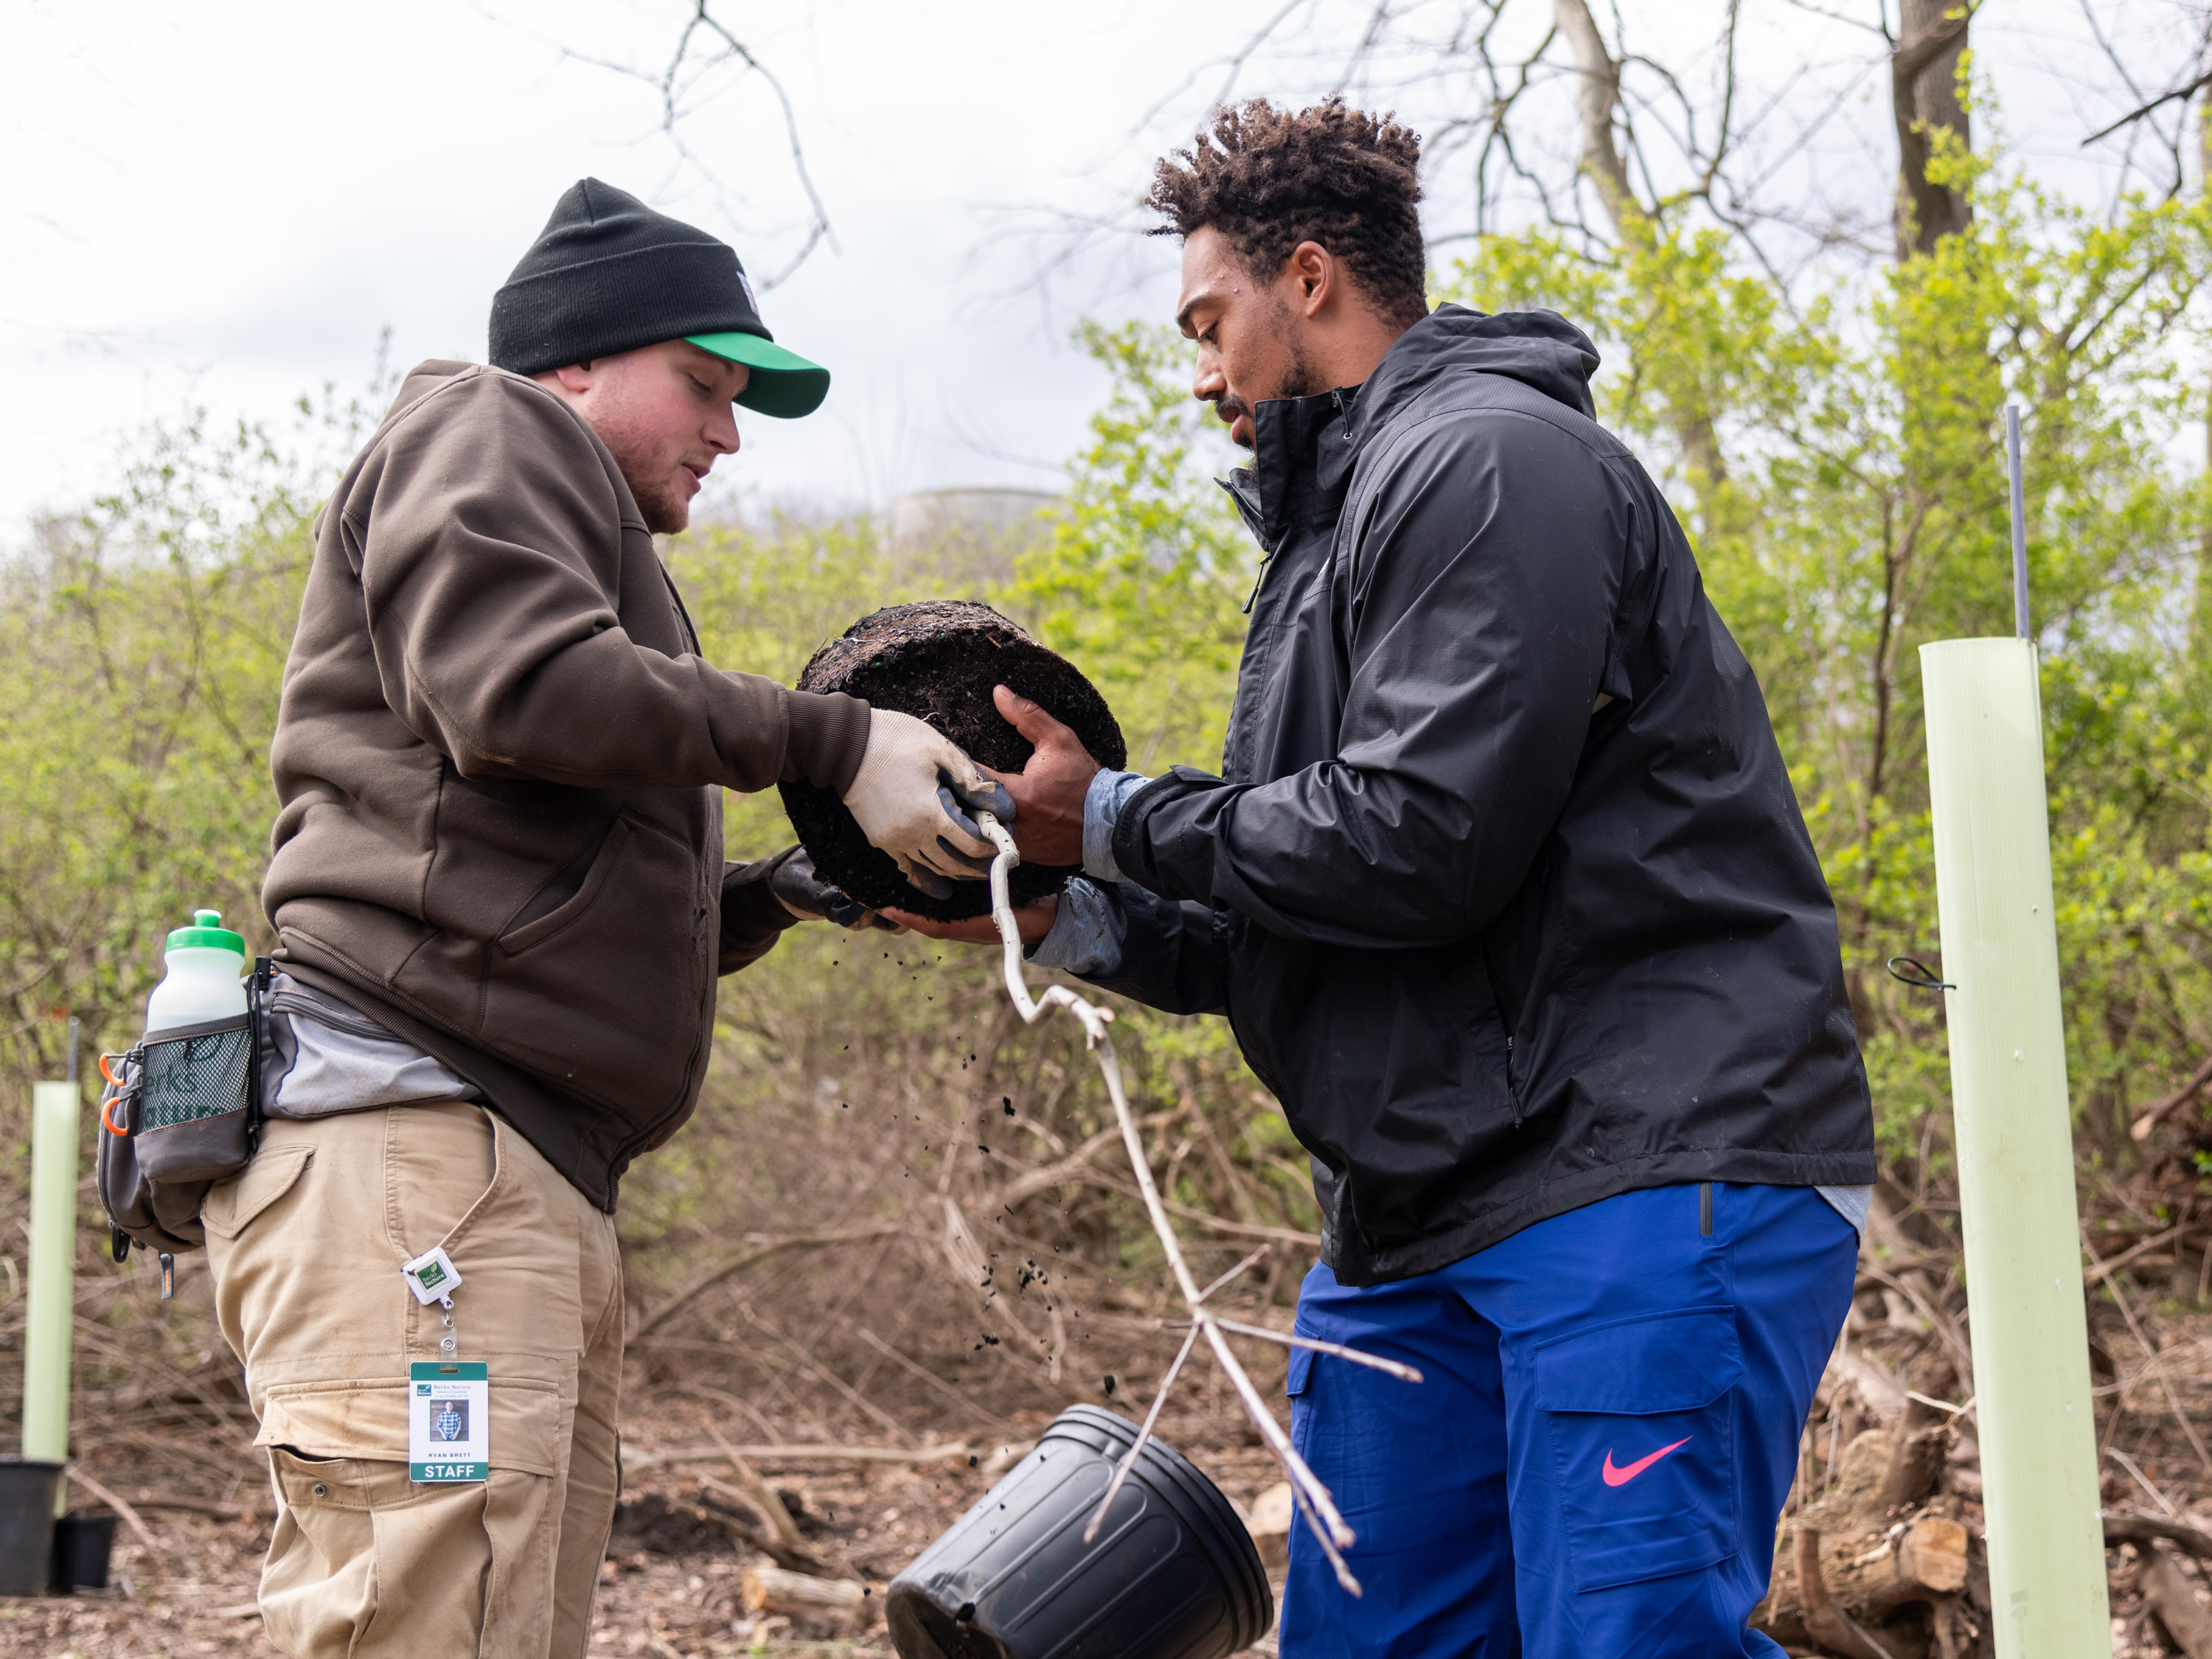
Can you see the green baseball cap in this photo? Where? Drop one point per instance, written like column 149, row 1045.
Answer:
column 783, row 383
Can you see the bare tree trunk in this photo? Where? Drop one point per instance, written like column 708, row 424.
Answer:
column 1924, row 72
column 1607, row 164
column 1601, row 96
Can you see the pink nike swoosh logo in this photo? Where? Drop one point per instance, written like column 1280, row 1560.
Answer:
column 1614, row 1476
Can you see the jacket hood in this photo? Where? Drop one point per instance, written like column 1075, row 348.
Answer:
column 1541, row 349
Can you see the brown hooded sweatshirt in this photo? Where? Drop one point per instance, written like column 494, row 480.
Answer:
column 499, row 759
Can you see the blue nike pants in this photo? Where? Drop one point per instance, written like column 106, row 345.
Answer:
column 1607, row 1431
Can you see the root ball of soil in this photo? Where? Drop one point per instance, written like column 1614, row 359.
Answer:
column 938, row 660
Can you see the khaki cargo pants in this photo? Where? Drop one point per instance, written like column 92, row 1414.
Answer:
column 306, row 1247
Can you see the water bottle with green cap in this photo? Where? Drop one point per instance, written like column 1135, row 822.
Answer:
column 206, row 978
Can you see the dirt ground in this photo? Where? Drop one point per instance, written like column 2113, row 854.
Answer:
column 670, row 1586
column 672, row 1583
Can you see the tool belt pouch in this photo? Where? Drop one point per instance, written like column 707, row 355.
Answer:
column 180, row 1113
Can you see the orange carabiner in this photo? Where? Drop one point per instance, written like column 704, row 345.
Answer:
column 107, row 1123
column 109, row 1075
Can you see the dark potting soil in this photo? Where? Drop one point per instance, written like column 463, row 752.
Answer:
column 938, row 660
column 646, row 1525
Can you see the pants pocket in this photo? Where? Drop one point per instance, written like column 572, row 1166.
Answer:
column 364, row 1563
column 320, row 1585
column 1642, row 1420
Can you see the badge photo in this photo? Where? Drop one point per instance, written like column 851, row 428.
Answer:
column 448, row 1429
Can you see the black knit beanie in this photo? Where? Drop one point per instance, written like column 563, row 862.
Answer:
column 608, row 275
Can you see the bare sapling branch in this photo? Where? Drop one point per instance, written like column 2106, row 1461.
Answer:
column 1313, row 1501
column 1406, row 1373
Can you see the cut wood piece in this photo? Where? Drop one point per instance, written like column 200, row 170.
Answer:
column 1868, row 1576
column 1932, row 1556
column 1273, row 1515
column 839, row 1602
column 2173, row 1597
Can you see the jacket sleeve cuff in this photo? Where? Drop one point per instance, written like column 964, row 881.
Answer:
column 753, row 918
column 1126, row 847
column 1101, row 807
column 828, row 734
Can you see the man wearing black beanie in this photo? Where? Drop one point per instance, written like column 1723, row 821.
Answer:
column 501, row 908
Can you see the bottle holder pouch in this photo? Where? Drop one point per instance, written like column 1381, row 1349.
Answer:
column 179, row 1112
column 192, row 1108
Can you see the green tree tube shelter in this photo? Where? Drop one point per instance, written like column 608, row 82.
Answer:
column 2015, row 1148
column 52, row 1299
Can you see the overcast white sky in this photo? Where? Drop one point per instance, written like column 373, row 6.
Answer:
column 227, row 203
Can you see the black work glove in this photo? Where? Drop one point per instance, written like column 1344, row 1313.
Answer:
column 808, row 898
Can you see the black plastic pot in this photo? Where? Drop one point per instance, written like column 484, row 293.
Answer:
column 28, row 1489
column 1174, row 1573
column 82, row 1545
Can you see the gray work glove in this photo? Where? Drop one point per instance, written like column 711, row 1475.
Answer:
column 807, row 896
column 908, row 799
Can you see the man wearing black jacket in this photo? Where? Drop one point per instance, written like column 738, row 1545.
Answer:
column 1505, row 892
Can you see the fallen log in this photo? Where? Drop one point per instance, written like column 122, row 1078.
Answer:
column 2141, row 1529
column 2173, row 1597
column 841, row 1603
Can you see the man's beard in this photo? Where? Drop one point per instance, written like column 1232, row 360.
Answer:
column 660, row 501
column 645, row 467
column 665, row 510
column 1297, row 379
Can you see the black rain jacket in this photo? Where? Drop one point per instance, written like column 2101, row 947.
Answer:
column 1498, row 954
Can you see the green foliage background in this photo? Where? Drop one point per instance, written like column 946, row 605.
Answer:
column 1836, row 456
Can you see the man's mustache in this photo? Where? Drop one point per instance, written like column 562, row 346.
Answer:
column 1230, row 407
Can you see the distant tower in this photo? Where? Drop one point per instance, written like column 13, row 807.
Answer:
column 958, row 543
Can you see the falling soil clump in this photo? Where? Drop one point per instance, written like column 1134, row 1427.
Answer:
column 938, row 661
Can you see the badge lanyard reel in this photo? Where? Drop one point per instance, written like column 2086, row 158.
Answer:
column 448, row 1402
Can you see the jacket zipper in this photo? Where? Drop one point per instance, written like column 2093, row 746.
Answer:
column 1251, row 599
column 1512, row 1088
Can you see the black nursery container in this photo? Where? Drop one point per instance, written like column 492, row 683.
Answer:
column 28, row 1489
column 84, row 1545
column 1174, row 1573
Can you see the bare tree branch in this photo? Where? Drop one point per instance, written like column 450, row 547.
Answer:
column 2179, row 94
column 679, row 87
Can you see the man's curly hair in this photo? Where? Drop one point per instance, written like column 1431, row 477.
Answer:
column 1268, row 180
